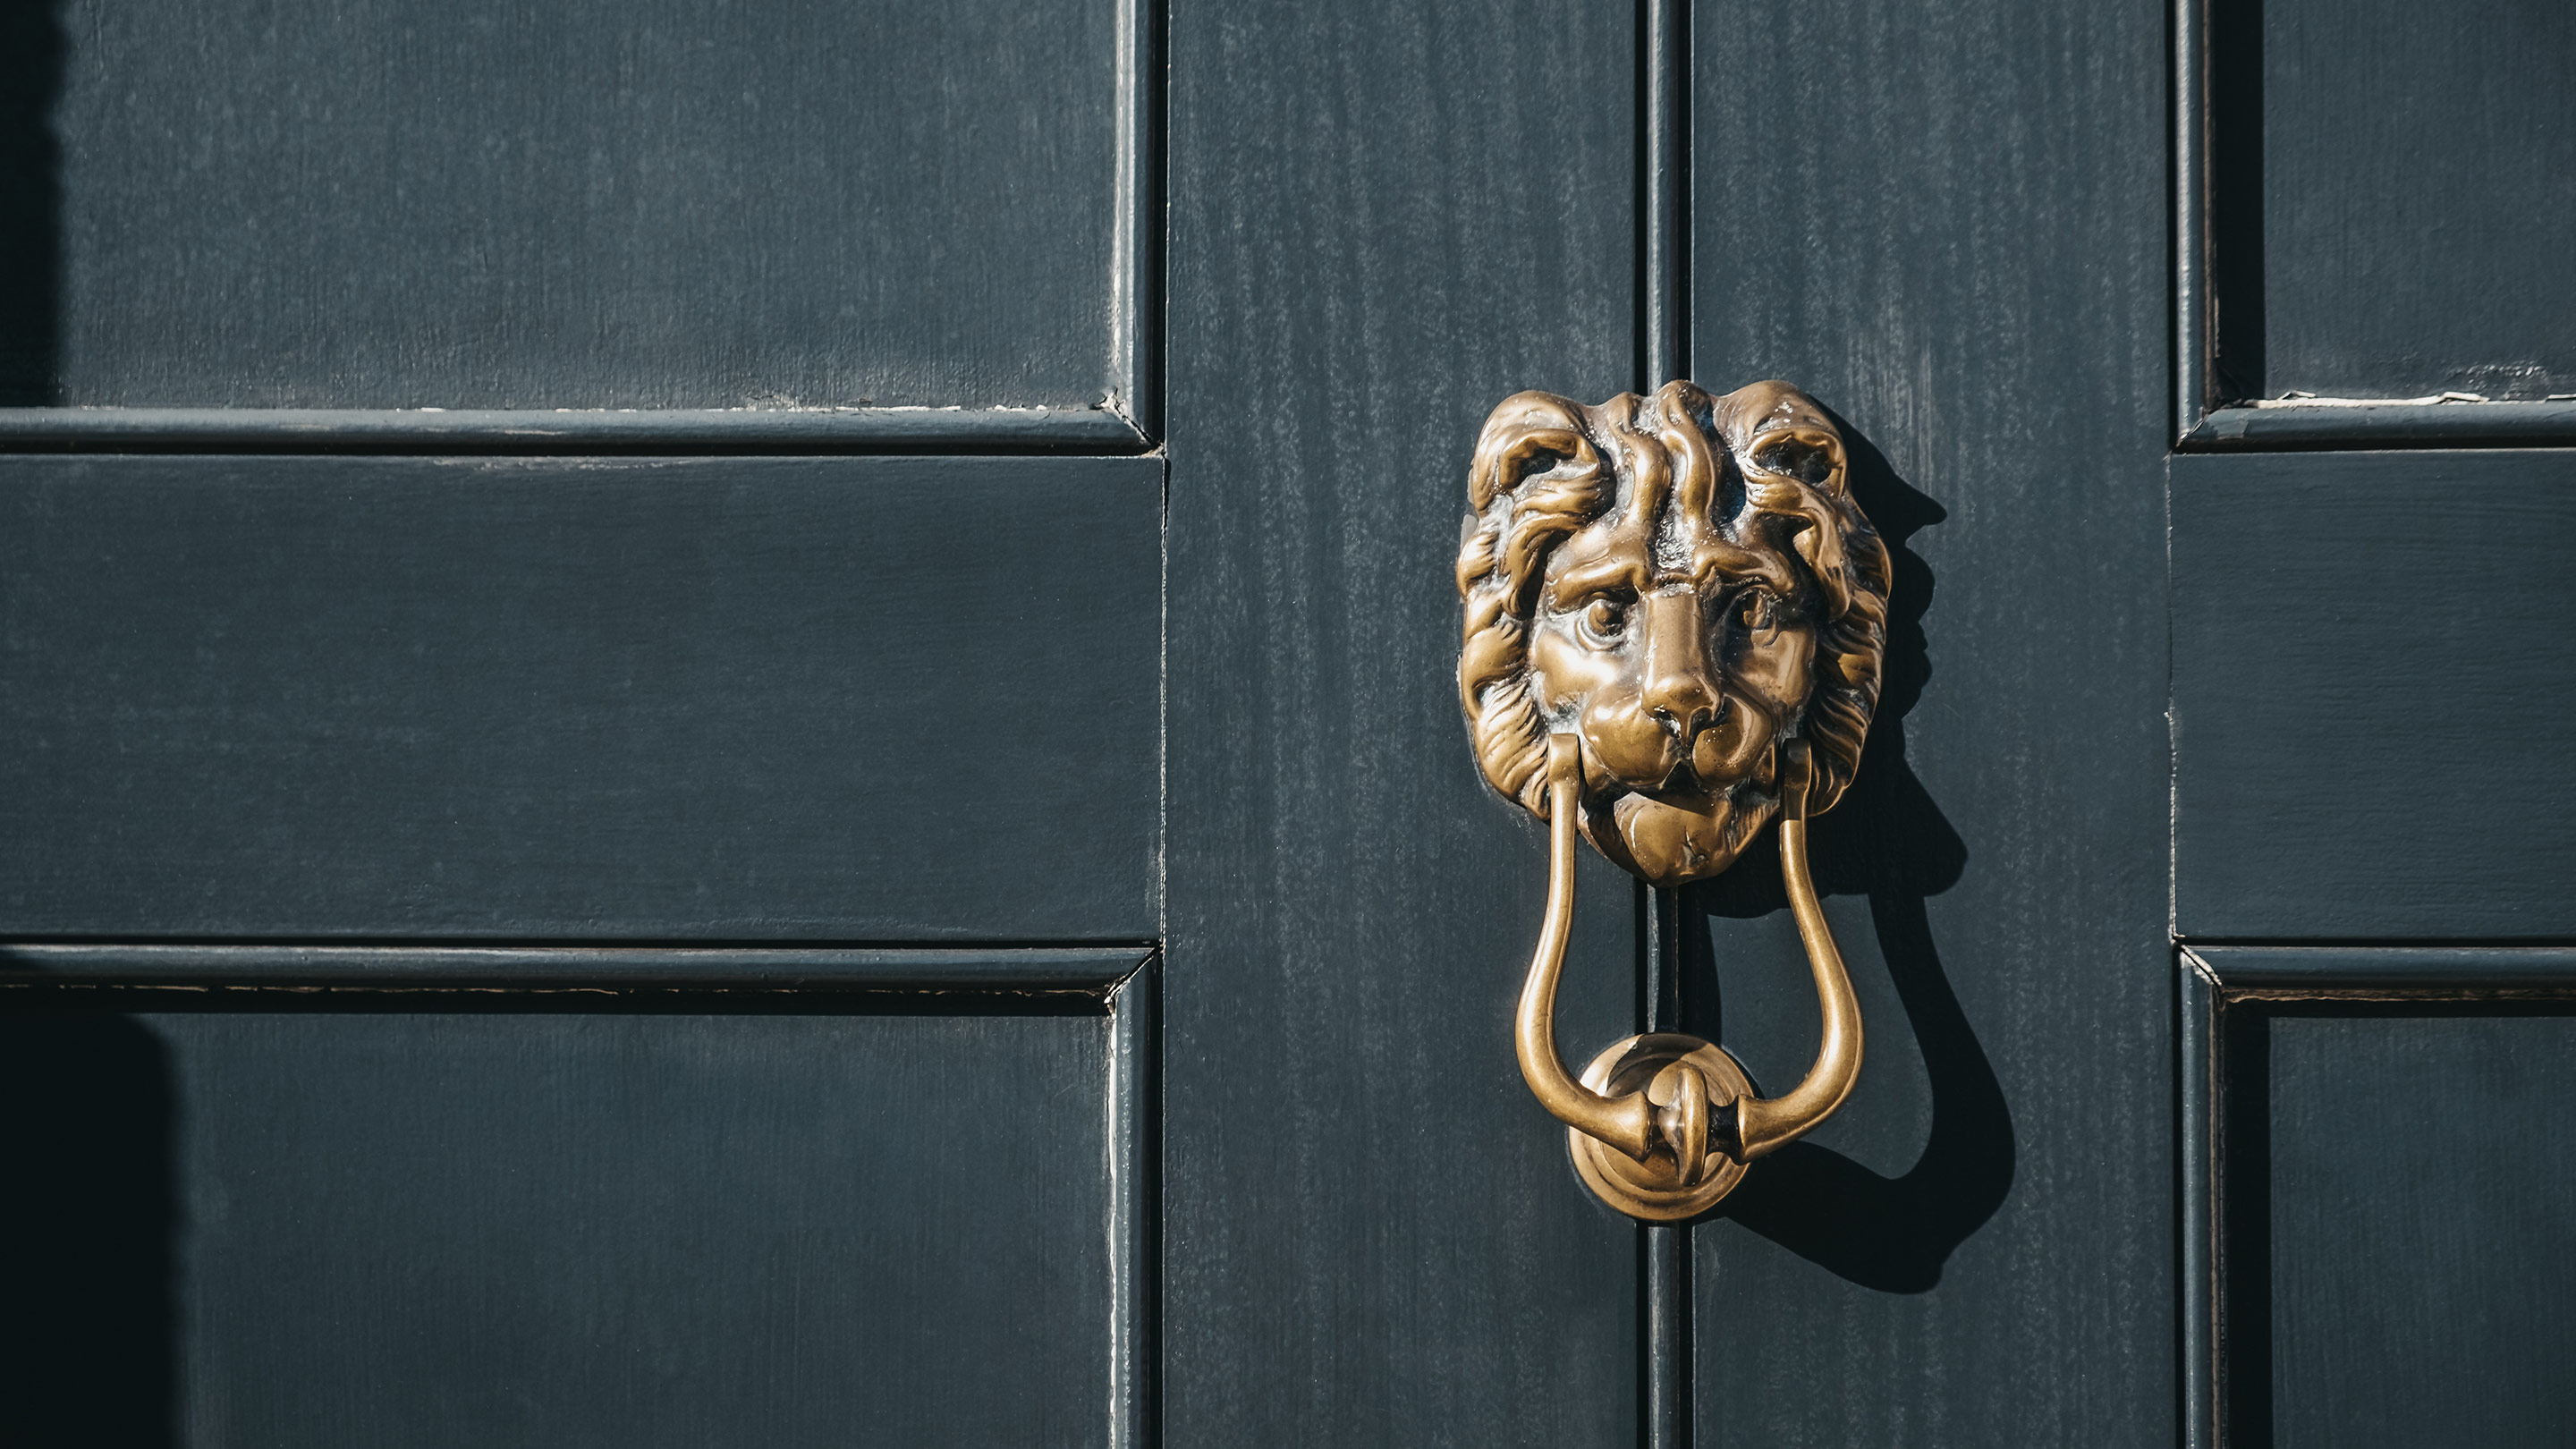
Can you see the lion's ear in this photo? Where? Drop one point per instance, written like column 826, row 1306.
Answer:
column 1811, row 455
column 1528, row 429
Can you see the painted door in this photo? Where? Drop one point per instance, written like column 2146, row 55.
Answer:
column 2377, row 384
column 584, row 595
column 737, row 724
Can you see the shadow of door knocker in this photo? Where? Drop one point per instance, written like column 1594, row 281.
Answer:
column 1675, row 621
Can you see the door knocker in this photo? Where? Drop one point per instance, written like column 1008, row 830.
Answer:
column 1675, row 617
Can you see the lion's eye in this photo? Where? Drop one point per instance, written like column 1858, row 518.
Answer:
column 1605, row 620
column 1758, row 612
column 1808, row 459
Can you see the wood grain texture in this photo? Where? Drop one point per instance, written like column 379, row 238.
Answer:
column 2416, row 216
column 493, row 205
column 1946, row 221
column 2422, row 1245
column 296, row 1228
column 2370, row 656
column 1385, row 219
column 855, row 700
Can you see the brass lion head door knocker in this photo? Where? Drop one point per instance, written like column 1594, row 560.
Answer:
column 1675, row 616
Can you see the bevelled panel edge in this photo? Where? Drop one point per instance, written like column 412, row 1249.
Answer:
column 1042, row 968
column 432, row 430
column 2359, row 968
column 2365, row 424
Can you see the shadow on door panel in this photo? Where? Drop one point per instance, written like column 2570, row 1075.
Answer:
column 1890, row 842
column 88, row 1227
column 32, row 45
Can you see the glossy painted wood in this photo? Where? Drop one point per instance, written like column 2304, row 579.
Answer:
column 2378, row 1245
column 2386, row 425
column 1385, row 218
column 2199, row 1096
column 2415, row 216
column 851, row 700
column 492, row 1225
column 2391, row 970
column 1945, row 222
column 392, row 204
column 2423, row 1245
column 2370, row 657
column 548, row 712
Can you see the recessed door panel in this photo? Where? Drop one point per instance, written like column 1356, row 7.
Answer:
column 318, row 1219
column 2378, row 1235
column 2423, row 1245
column 394, row 204
column 2393, row 206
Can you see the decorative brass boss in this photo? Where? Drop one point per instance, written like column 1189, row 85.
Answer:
column 1675, row 617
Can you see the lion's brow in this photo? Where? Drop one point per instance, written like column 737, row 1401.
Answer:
column 1716, row 561
column 1611, row 570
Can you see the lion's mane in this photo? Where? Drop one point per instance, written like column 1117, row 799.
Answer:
column 1546, row 466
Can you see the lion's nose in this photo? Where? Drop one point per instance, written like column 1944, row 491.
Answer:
column 1685, row 721
column 1676, row 689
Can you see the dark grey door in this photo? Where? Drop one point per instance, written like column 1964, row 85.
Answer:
column 736, row 724
column 582, row 598
column 2373, row 651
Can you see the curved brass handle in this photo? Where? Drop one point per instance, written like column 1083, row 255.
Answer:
column 1682, row 1139
column 1628, row 1122
column 1765, row 1123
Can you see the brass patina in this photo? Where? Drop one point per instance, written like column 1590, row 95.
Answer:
column 1675, row 620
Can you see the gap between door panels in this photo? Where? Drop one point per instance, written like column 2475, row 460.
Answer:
column 1662, row 329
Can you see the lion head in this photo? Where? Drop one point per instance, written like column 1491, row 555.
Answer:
column 1685, row 584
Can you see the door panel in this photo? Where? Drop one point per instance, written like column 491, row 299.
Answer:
column 2371, row 755
column 545, row 1217
column 1384, row 219
column 267, row 722
column 1945, row 222
column 2369, row 208
column 740, row 698
column 2419, row 1217
column 2394, row 207
column 2391, row 1242
column 401, row 205
column 2371, row 735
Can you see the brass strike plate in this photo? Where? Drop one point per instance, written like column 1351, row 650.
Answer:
column 1653, row 1190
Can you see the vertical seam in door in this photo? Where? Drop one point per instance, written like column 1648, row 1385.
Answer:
column 1667, row 191
column 1664, row 306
